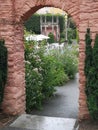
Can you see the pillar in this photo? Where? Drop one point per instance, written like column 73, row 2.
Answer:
column 14, row 94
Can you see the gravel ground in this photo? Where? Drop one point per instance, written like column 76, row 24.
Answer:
column 88, row 125
column 5, row 120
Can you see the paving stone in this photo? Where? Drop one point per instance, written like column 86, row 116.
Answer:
column 35, row 122
column 13, row 128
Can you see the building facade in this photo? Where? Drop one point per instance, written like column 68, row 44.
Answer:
column 52, row 26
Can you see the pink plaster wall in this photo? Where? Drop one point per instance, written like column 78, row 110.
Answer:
column 12, row 15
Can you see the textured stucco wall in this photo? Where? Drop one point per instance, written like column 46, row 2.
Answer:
column 12, row 15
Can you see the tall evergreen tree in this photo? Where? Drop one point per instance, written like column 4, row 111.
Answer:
column 3, row 68
column 95, row 53
column 91, row 73
column 88, row 52
column 93, row 96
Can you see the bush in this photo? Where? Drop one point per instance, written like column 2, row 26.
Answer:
column 70, row 61
column 51, row 39
column 34, row 94
column 33, row 23
column 53, row 75
column 3, row 68
column 34, row 78
column 91, row 73
column 44, row 71
column 93, row 85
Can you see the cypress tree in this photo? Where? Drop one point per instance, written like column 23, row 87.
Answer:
column 95, row 53
column 88, row 61
column 91, row 73
column 88, row 52
column 3, row 68
column 88, row 69
column 93, row 98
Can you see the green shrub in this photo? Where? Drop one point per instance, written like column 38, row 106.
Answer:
column 88, row 52
column 93, row 96
column 3, row 68
column 44, row 71
column 53, row 74
column 34, row 94
column 91, row 73
column 70, row 61
column 33, row 23
column 34, row 78
column 51, row 39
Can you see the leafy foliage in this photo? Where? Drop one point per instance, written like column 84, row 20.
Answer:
column 51, row 39
column 71, row 23
column 70, row 61
column 3, row 68
column 53, row 74
column 93, row 97
column 72, row 31
column 33, row 23
column 91, row 67
column 34, row 78
column 44, row 71
column 88, row 52
column 71, row 35
column 95, row 52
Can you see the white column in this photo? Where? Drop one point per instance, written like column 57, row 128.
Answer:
column 57, row 32
column 52, row 24
column 66, row 34
column 45, row 24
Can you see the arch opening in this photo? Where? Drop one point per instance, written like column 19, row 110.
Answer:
column 12, row 31
column 65, row 39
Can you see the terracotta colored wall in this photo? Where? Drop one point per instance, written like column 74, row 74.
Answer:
column 12, row 15
column 12, row 32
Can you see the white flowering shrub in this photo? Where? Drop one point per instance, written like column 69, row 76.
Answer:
column 70, row 60
column 46, row 71
column 34, row 79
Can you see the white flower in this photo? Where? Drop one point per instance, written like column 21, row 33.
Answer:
column 27, row 62
column 39, row 60
column 36, row 70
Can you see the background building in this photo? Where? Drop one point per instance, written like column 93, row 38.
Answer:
column 52, row 26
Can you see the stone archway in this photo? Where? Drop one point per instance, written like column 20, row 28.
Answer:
column 12, row 15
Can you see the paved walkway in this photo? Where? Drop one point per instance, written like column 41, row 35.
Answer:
column 60, row 113
column 34, row 122
column 64, row 103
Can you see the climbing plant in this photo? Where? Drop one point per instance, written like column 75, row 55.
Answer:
column 3, row 68
column 91, row 73
column 33, row 23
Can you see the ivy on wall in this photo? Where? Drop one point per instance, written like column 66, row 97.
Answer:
column 3, row 68
column 33, row 23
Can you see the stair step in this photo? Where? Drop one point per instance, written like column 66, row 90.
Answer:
column 34, row 122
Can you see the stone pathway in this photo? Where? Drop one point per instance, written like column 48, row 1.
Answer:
column 34, row 122
column 13, row 128
column 64, row 103
column 60, row 113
